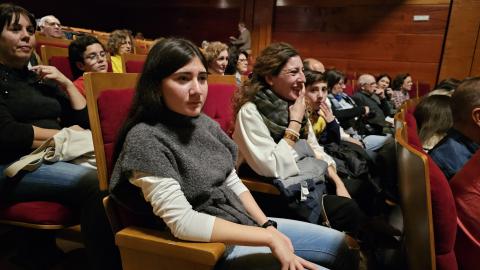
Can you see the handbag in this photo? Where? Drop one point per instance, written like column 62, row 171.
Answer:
column 304, row 191
column 68, row 144
column 307, row 195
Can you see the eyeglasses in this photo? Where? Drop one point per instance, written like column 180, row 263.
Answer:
column 94, row 57
column 242, row 60
column 54, row 24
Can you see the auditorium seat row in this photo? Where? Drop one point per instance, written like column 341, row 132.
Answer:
column 435, row 237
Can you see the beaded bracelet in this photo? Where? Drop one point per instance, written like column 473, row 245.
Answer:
column 296, row 121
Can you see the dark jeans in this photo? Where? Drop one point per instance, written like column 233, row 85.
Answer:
column 77, row 187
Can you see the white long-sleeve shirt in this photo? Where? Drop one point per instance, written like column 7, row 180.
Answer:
column 169, row 203
column 262, row 153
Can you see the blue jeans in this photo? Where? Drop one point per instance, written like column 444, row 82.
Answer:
column 320, row 245
column 375, row 142
column 77, row 187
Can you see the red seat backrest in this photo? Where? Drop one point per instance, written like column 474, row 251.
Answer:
column 52, row 44
column 444, row 214
column 62, row 64
column 349, row 89
column 218, row 105
column 444, row 218
column 412, row 133
column 113, row 108
column 134, row 66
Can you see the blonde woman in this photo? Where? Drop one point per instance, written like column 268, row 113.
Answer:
column 216, row 54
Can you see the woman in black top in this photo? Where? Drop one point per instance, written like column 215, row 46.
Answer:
column 34, row 105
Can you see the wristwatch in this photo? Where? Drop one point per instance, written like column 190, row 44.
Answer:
column 269, row 223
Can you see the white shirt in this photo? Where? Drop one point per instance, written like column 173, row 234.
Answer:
column 262, row 153
column 169, row 203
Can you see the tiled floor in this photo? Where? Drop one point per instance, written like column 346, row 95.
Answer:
column 74, row 257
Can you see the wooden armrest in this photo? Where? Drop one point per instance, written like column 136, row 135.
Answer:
column 259, row 186
column 165, row 244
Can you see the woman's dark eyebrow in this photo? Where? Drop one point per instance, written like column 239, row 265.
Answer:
column 188, row 73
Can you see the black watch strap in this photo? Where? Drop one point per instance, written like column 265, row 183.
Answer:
column 269, row 223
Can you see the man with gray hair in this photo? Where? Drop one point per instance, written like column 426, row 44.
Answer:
column 50, row 26
column 463, row 139
column 380, row 109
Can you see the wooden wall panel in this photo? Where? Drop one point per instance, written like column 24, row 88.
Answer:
column 385, row 19
column 365, row 46
column 377, row 3
column 462, row 40
column 262, row 18
column 475, row 71
column 366, row 36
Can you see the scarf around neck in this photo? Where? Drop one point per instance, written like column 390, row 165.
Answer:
column 274, row 112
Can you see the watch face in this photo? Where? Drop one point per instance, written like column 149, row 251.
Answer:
column 269, row 223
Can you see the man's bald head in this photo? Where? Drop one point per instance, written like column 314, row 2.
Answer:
column 313, row 64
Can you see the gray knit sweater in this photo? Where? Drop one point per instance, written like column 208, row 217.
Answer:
column 193, row 151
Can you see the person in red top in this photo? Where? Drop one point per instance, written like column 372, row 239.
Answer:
column 86, row 54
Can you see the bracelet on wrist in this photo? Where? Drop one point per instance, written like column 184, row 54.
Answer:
column 296, row 121
column 293, row 132
column 290, row 136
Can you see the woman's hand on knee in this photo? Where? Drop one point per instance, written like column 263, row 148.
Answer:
column 284, row 254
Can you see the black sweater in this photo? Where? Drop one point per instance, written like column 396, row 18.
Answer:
column 26, row 101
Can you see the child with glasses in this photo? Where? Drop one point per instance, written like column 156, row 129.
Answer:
column 86, row 54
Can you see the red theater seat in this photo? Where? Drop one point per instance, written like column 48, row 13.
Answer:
column 134, row 66
column 219, row 105
column 133, row 63
column 108, row 97
column 48, row 41
column 113, row 109
column 36, row 214
column 427, row 205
